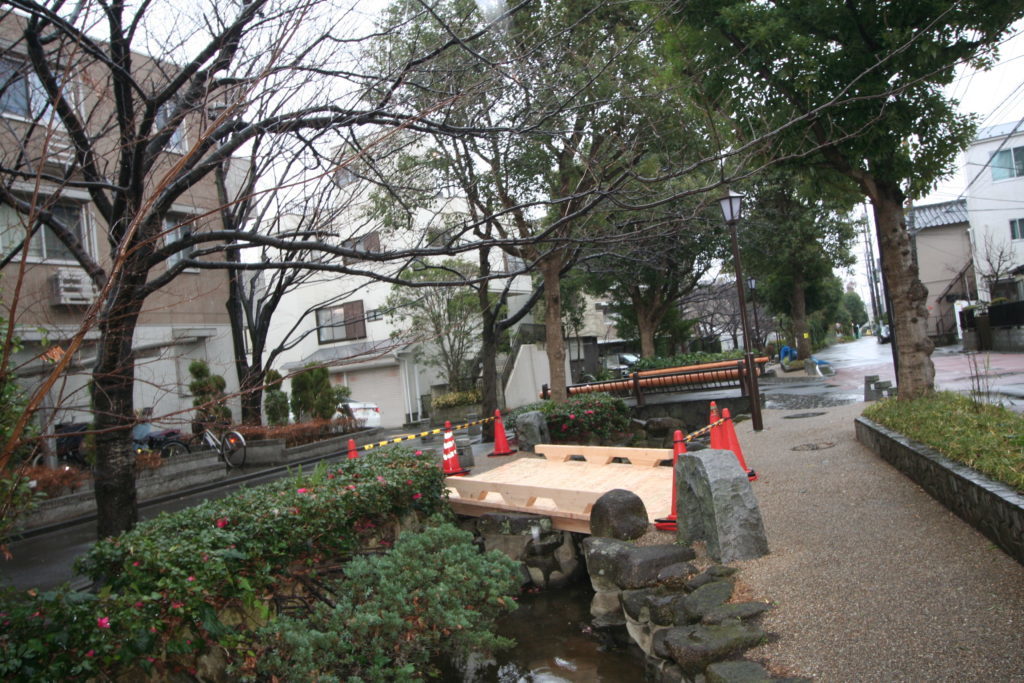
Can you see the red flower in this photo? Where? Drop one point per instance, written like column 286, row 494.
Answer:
column 90, row 653
column 103, row 622
column 330, row 476
column 572, row 416
column 418, row 453
column 191, row 578
column 303, row 491
column 417, row 496
column 177, row 605
column 222, row 522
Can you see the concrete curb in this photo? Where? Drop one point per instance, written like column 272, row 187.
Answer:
column 994, row 509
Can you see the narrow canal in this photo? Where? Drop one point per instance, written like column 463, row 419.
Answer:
column 554, row 642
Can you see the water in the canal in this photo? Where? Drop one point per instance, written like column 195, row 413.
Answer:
column 554, row 642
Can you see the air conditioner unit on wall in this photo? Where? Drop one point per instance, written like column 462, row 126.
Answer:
column 71, row 287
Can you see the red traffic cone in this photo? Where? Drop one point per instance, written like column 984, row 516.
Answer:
column 678, row 448
column 450, row 454
column 732, row 443
column 717, row 438
column 501, row 446
column 352, row 452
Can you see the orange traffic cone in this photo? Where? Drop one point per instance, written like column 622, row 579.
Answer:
column 501, row 446
column 450, row 454
column 352, row 452
column 678, row 448
column 717, row 438
column 732, row 443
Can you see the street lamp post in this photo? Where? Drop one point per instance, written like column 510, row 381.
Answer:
column 732, row 206
column 752, row 286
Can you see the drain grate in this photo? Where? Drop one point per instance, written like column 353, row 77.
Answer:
column 797, row 416
column 814, row 446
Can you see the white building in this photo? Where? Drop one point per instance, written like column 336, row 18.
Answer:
column 995, row 207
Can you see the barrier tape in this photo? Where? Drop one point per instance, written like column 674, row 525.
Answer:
column 410, row 437
column 702, row 431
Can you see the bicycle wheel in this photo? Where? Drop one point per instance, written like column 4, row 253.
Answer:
column 232, row 448
column 173, row 447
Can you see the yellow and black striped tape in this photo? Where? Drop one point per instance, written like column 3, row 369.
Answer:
column 410, row 437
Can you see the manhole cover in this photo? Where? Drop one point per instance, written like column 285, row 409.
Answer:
column 797, row 416
column 814, row 446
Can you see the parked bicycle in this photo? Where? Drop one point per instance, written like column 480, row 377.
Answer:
column 168, row 442
column 231, row 446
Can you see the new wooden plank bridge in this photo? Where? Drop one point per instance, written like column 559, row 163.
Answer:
column 566, row 483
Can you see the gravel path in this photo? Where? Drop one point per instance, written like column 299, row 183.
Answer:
column 873, row 580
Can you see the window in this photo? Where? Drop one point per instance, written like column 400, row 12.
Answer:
column 21, row 93
column 370, row 243
column 374, row 314
column 178, row 226
column 1017, row 229
column 340, row 323
column 177, row 141
column 1008, row 163
column 44, row 245
column 513, row 264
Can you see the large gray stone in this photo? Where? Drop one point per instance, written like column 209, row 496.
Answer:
column 740, row 671
column 706, row 599
column 532, row 429
column 619, row 514
column 717, row 505
column 695, row 647
column 614, row 564
column 734, row 610
column 522, row 524
column 663, row 426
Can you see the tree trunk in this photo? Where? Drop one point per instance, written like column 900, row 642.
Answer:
column 113, row 381
column 550, row 272
column 250, row 387
column 912, row 349
column 798, row 310
column 489, row 312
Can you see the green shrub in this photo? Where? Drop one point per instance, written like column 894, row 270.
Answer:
column 434, row 592
column 986, row 437
column 168, row 583
column 581, row 419
column 313, row 397
column 275, row 401
column 208, row 394
column 456, row 398
column 697, row 358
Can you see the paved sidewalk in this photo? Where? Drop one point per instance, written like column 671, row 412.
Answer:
column 872, row 579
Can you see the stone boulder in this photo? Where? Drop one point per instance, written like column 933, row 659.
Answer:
column 619, row 514
column 716, row 504
column 693, row 648
column 616, row 565
column 531, row 429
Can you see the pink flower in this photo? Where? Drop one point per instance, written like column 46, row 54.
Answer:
column 351, row 487
column 408, row 482
column 135, row 563
column 139, row 604
column 381, row 479
column 565, row 427
column 303, row 491
column 330, row 476
column 572, row 416
column 418, row 453
column 177, row 605
column 191, row 578
column 417, row 496
column 103, row 622
column 90, row 653
column 589, row 412
column 222, row 522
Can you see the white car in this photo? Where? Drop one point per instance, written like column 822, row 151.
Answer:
column 366, row 415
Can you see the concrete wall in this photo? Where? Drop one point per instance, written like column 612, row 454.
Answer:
column 530, row 372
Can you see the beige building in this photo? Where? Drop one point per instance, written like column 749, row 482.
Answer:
column 941, row 235
column 46, row 291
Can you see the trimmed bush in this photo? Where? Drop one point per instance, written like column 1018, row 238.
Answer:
column 696, row 358
column 195, row 582
column 456, row 398
column 435, row 592
column 595, row 417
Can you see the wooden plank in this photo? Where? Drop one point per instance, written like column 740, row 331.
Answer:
column 564, row 490
column 603, row 455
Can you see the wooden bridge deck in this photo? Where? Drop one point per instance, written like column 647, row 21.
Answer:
column 566, row 489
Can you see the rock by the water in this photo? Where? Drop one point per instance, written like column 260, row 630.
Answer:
column 706, row 598
column 512, row 523
column 614, row 564
column 739, row 671
column 695, row 647
column 717, row 505
column 660, row 426
column 532, row 429
column 734, row 610
column 712, row 573
column 619, row 514
column 676, row 575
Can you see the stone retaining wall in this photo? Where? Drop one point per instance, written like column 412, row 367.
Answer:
column 992, row 508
